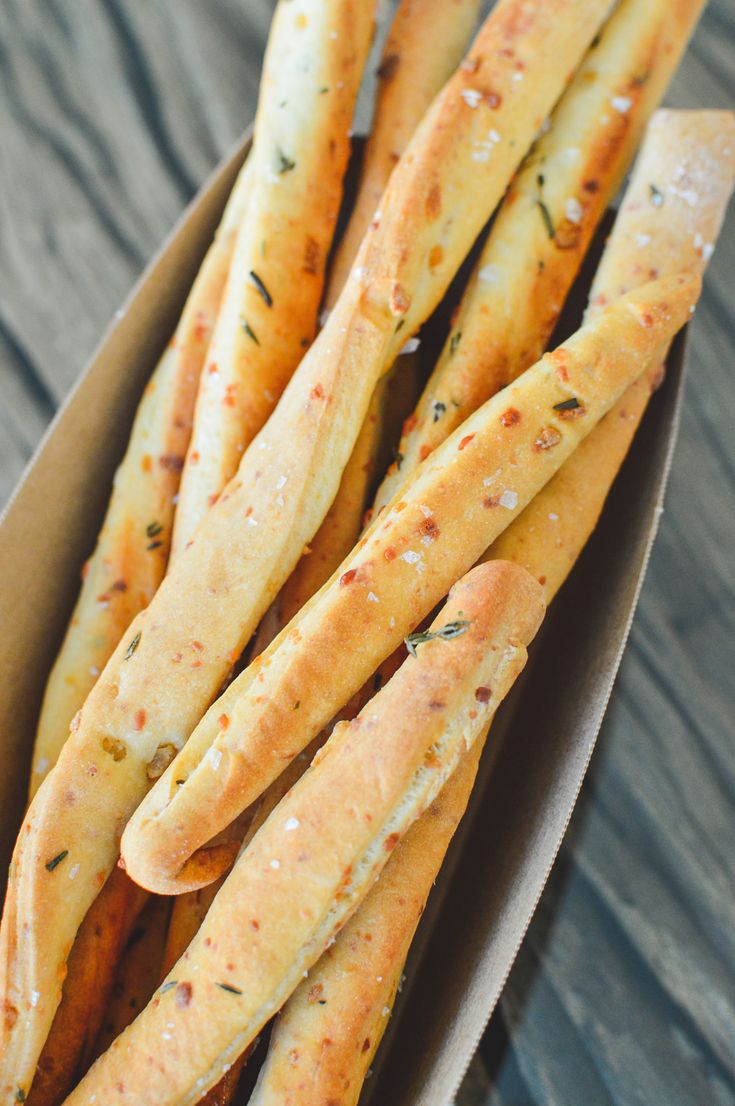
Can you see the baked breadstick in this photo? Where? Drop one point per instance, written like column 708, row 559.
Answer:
column 139, row 972
column 91, row 965
column 350, row 991
column 313, row 861
column 130, row 558
column 177, row 653
column 548, row 218
column 312, row 70
column 449, row 513
column 425, row 43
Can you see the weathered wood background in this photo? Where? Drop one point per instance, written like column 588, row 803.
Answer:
column 111, row 114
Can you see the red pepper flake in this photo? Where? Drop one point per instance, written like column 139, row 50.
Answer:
column 429, row 529
column 591, row 186
column 254, row 924
column 366, row 1044
column 197, row 646
column 177, row 658
column 400, row 507
column 436, row 256
column 312, row 256
column 494, row 99
column 76, row 722
column 317, row 392
column 293, row 1057
column 347, row 577
column 315, row 992
column 147, row 463
column 473, row 715
column 436, row 704
column 391, row 841
column 491, row 501
column 483, row 694
column 424, row 452
column 434, row 202
column 213, row 368
column 388, row 67
column 183, row 995
column 85, row 570
column 542, row 580
column 390, row 553
column 399, row 301
column 223, row 721
column 194, row 456
column 510, row 417
column 172, row 462
column 466, row 441
column 139, row 719
column 547, row 439
column 409, row 424
column 647, row 320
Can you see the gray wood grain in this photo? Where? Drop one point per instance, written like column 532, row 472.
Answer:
column 112, row 112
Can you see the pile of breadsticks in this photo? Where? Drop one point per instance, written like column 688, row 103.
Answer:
column 264, row 722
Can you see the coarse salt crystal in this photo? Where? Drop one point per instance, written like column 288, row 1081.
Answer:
column 386, row 1011
column 707, row 250
column 553, row 516
column 252, row 521
column 94, row 670
column 291, row 824
column 573, row 210
column 489, row 274
column 410, row 557
column 471, row 97
column 425, row 511
column 275, row 864
column 622, row 103
column 214, row 757
column 517, row 76
column 373, row 597
column 642, row 240
column 359, row 272
column 411, row 345
column 491, row 479
column 481, row 155
column 509, row 499
column 35, row 996
column 73, row 871
column 43, row 764
column 281, row 482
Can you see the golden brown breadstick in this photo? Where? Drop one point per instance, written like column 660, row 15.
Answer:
column 350, row 991
column 178, row 652
column 545, row 225
column 312, row 69
column 90, row 973
column 139, row 972
column 314, row 860
column 130, row 558
column 424, row 45
column 450, row 511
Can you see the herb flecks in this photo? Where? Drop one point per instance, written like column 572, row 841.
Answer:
column 454, row 341
column 261, row 288
column 153, row 529
column 445, row 633
column 56, row 861
column 657, row 196
column 168, row 986
column 20, row 1095
column 398, row 459
column 229, row 987
column 568, row 404
column 545, row 213
column 285, row 164
column 249, row 330
column 153, row 545
column 438, row 409
column 133, row 646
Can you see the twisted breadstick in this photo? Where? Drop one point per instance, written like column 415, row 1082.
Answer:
column 451, row 510
column 177, row 653
column 311, row 74
column 349, row 994
column 130, row 557
column 545, row 225
column 314, row 860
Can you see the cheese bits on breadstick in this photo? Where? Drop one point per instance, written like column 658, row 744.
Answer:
column 176, row 654
column 448, row 514
column 322, row 848
column 301, row 144
column 546, row 222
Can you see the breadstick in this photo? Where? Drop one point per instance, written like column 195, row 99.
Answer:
column 69, row 1049
column 451, row 510
column 177, row 653
column 424, row 45
column 350, row 992
column 312, row 69
column 130, row 558
column 313, row 861
column 545, row 225
column 139, row 972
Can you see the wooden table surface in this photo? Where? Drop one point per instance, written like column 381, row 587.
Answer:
column 111, row 113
